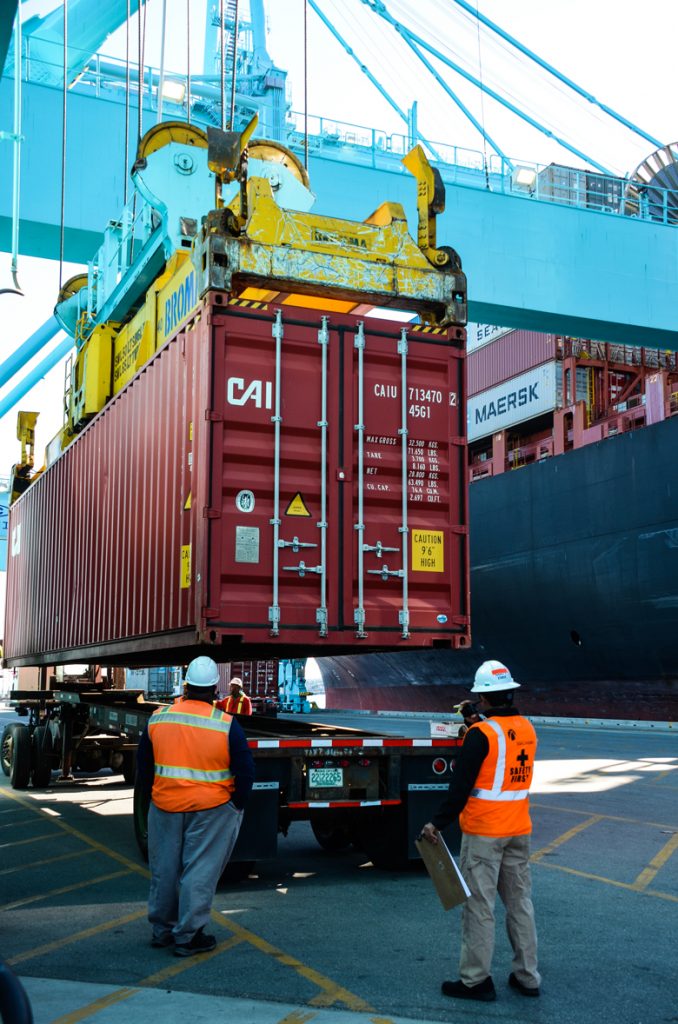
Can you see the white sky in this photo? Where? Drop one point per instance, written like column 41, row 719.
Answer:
column 624, row 56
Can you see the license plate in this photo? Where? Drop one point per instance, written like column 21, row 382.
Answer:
column 328, row 778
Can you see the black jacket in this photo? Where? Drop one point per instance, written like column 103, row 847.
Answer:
column 466, row 768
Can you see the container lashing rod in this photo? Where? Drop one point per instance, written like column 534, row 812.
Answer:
column 404, row 616
column 321, row 611
column 276, row 420
column 359, row 612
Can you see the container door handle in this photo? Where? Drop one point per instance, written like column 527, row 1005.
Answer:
column 276, row 420
column 404, row 614
column 359, row 612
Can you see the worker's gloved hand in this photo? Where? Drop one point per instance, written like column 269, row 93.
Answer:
column 468, row 712
column 430, row 833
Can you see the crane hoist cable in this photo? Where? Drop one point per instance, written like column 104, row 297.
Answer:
column 161, row 80
column 482, row 102
column 125, row 174
column 62, row 231
column 188, row 61
column 306, row 84
column 235, row 63
column 16, row 170
column 222, row 69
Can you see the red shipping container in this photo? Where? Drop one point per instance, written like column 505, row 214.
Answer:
column 510, row 355
column 243, row 497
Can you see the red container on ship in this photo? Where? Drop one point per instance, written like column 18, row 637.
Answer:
column 272, row 480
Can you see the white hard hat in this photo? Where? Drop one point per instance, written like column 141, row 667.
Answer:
column 202, row 672
column 492, row 675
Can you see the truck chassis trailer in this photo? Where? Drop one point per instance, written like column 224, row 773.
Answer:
column 368, row 788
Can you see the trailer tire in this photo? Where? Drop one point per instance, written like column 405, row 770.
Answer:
column 237, row 871
column 6, row 750
column 329, row 834
column 43, row 758
column 20, row 768
column 142, row 802
column 384, row 839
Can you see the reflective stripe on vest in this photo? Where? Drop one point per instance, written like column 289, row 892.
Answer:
column 191, row 751
column 214, row 722
column 170, row 771
column 498, row 805
column 496, row 793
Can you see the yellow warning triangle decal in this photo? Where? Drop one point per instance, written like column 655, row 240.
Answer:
column 297, row 507
column 188, row 502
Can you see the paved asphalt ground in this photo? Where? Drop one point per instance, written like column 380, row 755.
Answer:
column 315, row 938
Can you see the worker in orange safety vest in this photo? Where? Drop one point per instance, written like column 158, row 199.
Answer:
column 195, row 762
column 237, row 702
column 489, row 792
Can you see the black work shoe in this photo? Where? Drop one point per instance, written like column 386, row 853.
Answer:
column 485, row 992
column 200, row 943
column 524, row 990
column 162, row 941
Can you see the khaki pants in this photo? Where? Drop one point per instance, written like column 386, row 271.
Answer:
column 497, row 865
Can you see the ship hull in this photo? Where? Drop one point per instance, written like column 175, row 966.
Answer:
column 574, row 584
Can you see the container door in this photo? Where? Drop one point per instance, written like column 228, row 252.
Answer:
column 269, row 498
column 408, row 573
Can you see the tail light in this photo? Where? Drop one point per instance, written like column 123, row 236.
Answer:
column 439, row 765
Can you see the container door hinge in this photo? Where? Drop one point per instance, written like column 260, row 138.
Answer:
column 210, row 613
column 213, row 417
column 211, row 513
column 463, row 530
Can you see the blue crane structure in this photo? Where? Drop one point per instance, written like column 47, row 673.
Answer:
column 591, row 257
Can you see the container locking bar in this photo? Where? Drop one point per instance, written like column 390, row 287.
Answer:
column 378, row 548
column 404, row 614
column 321, row 611
column 359, row 612
column 385, row 572
column 302, row 569
column 295, row 544
column 276, row 420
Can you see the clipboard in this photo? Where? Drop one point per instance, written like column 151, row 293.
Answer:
column 445, row 874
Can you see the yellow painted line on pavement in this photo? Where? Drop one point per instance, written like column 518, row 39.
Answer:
column 152, row 981
column 67, row 940
column 25, row 842
column 566, row 836
column 603, row 817
column 69, row 830
column 297, row 1017
column 656, row 864
column 184, row 963
column 100, row 1004
column 629, row 886
column 41, row 863
column 60, row 892
column 329, row 988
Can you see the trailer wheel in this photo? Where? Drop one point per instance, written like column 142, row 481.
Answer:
column 20, row 766
column 383, row 837
column 6, row 750
column 142, row 802
column 237, row 871
column 330, row 834
column 43, row 758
